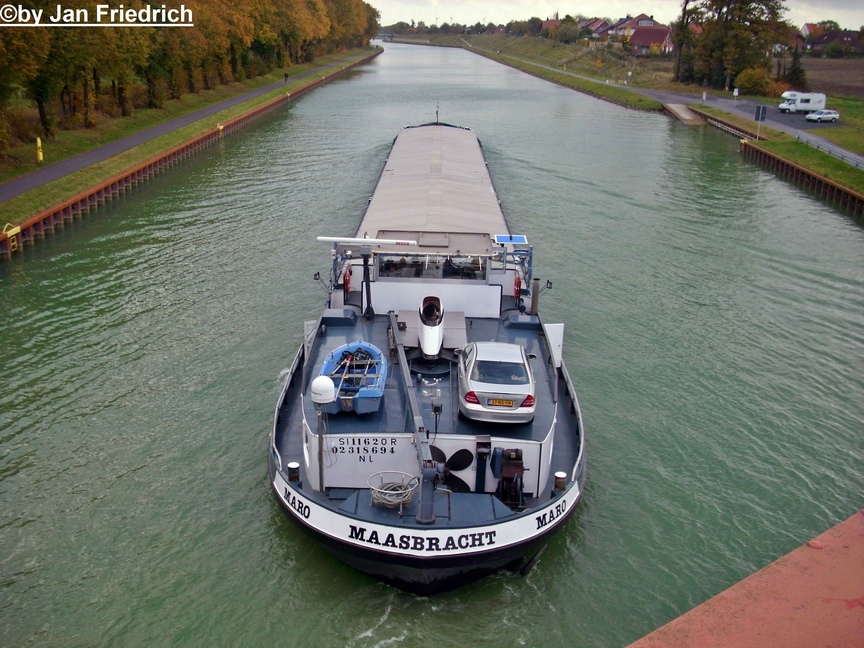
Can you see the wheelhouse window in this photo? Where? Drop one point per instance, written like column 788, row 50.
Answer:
column 432, row 265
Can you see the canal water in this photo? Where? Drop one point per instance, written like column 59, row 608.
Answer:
column 713, row 331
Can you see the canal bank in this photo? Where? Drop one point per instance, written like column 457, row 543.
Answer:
column 827, row 190
column 15, row 235
column 834, row 193
column 830, row 191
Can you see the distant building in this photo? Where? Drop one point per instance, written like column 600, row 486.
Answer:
column 811, row 30
column 848, row 39
column 641, row 33
column 644, row 38
column 596, row 25
column 549, row 26
column 628, row 25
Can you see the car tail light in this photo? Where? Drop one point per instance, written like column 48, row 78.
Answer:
column 471, row 397
column 528, row 402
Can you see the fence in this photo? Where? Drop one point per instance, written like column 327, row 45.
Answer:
column 821, row 145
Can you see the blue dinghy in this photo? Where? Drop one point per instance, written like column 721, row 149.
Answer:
column 358, row 371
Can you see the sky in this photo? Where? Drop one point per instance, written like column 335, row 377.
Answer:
column 849, row 14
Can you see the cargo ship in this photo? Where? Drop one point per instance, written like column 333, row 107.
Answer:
column 428, row 432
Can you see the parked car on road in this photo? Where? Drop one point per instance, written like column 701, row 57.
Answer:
column 823, row 115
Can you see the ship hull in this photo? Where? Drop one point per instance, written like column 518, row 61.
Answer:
column 425, row 575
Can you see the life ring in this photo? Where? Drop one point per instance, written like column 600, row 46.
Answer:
column 346, row 280
column 517, row 287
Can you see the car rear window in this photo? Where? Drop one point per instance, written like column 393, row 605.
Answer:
column 501, row 373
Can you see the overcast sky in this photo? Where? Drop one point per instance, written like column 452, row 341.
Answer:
column 849, row 14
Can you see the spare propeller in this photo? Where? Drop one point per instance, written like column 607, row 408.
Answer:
column 460, row 460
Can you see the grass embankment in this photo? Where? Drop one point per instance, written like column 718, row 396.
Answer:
column 609, row 92
column 818, row 162
column 604, row 66
column 744, row 123
column 71, row 143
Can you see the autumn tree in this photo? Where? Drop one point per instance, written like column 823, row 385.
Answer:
column 22, row 53
column 736, row 35
column 568, row 30
column 231, row 40
column 684, row 38
column 129, row 47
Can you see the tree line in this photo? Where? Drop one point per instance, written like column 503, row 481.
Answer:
column 715, row 41
column 67, row 71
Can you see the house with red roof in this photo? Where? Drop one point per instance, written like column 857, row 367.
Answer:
column 549, row 26
column 643, row 39
column 596, row 25
column 641, row 33
column 628, row 25
column 811, row 30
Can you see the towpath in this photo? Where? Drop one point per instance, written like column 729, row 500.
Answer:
column 57, row 170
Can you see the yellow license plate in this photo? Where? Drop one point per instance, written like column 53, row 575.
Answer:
column 497, row 402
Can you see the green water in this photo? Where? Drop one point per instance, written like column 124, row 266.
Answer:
column 713, row 331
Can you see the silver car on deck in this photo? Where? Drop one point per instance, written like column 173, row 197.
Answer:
column 496, row 383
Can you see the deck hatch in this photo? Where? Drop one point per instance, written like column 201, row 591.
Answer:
column 433, row 239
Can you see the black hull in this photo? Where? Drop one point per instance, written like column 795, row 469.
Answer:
column 433, row 575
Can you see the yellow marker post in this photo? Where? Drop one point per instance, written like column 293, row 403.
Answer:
column 12, row 233
column 39, row 150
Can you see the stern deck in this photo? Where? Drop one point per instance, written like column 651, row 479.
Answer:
column 433, row 386
column 437, row 383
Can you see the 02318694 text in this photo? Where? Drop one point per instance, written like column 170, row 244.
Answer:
column 364, row 446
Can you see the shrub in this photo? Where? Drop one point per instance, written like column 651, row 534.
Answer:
column 4, row 132
column 797, row 75
column 837, row 50
column 22, row 126
column 753, row 81
column 777, row 88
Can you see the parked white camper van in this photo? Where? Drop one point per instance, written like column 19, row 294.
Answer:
column 803, row 102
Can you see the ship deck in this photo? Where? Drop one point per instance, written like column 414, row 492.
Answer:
column 437, row 385
column 434, row 205
column 435, row 180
